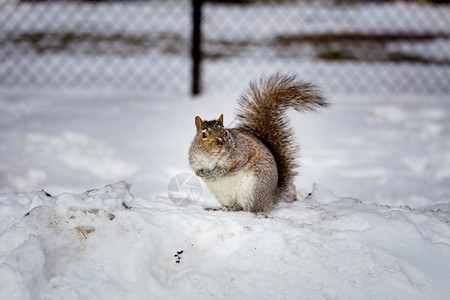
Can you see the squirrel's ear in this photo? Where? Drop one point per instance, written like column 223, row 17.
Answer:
column 220, row 119
column 198, row 123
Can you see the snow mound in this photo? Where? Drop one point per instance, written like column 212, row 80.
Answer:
column 105, row 243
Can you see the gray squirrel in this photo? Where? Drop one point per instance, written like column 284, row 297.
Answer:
column 252, row 167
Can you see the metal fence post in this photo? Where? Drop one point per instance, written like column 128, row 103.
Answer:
column 196, row 46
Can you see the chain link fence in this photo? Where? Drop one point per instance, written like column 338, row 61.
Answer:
column 346, row 47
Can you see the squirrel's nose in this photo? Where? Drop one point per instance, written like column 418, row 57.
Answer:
column 220, row 141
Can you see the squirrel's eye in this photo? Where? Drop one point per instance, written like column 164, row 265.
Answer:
column 204, row 135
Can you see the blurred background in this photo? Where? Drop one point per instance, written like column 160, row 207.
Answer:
column 92, row 92
column 346, row 46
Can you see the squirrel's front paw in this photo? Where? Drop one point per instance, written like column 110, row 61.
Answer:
column 204, row 174
column 200, row 173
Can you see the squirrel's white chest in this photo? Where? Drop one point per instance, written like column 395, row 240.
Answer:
column 236, row 188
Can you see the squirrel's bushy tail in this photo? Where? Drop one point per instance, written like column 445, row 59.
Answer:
column 262, row 112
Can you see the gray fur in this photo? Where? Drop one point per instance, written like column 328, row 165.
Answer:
column 253, row 166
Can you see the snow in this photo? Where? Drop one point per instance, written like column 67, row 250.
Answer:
column 97, row 200
column 133, row 240
column 78, row 246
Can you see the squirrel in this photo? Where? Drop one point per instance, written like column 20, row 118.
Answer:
column 252, row 167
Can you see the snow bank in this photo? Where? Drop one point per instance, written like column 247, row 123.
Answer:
column 106, row 243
